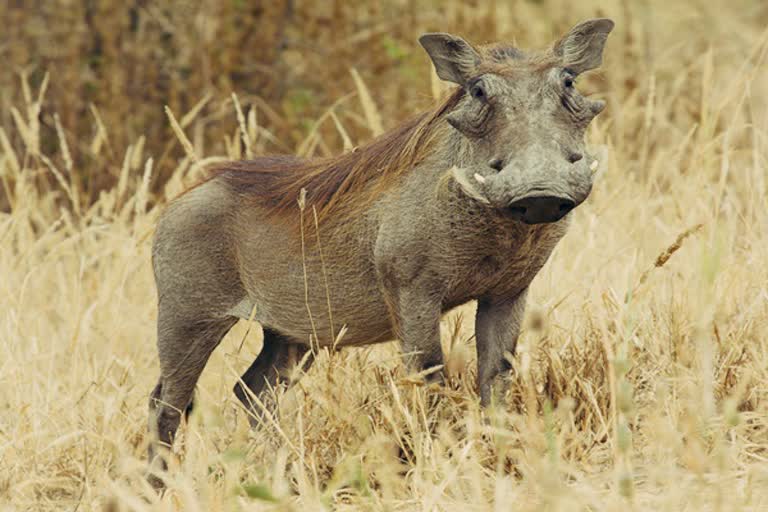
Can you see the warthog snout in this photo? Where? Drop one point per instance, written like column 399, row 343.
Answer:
column 540, row 209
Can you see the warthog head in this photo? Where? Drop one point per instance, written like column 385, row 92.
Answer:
column 524, row 120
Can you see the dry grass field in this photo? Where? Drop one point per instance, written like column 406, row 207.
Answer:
column 641, row 380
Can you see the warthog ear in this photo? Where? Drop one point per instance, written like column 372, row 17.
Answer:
column 581, row 49
column 455, row 60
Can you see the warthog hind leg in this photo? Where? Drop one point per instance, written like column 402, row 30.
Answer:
column 273, row 367
column 184, row 350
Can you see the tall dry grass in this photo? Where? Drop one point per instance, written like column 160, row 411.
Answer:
column 641, row 380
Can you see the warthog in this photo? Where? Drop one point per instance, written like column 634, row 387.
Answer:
column 463, row 202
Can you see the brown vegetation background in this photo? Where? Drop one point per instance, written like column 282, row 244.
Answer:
column 641, row 380
column 117, row 64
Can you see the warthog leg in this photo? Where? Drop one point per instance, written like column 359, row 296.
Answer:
column 184, row 349
column 274, row 366
column 497, row 327
column 418, row 324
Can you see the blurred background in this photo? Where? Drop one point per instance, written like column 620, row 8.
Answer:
column 113, row 65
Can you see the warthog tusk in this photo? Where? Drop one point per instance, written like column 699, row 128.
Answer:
column 468, row 187
column 479, row 179
column 593, row 166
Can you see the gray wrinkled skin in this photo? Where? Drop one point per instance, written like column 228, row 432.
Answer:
column 448, row 233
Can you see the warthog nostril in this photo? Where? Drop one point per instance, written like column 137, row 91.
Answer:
column 518, row 210
column 496, row 164
column 574, row 157
column 539, row 209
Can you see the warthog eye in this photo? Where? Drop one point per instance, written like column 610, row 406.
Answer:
column 568, row 82
column 477, row 91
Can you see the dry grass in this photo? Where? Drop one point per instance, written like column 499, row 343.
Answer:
column 642, row 376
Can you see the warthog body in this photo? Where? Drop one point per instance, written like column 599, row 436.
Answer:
column 464, row 202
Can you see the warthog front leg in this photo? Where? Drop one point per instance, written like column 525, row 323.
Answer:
column 418, row 327
column 497, row 327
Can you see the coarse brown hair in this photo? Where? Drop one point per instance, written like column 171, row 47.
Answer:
column 341, row 183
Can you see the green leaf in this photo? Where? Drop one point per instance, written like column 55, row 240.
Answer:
column 394, row 50
column 259, row 492
column 233, row 454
